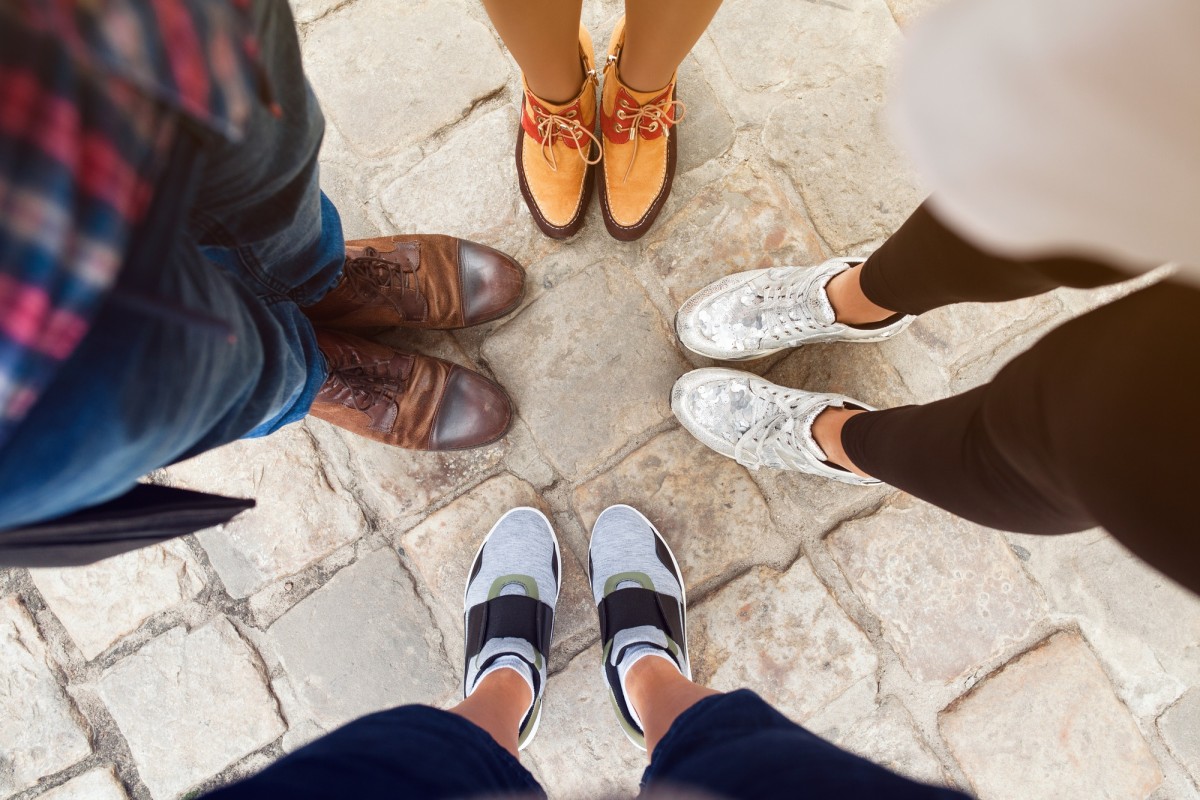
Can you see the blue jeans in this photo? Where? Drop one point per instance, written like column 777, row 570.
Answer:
column 205, row 342
column 728, row 746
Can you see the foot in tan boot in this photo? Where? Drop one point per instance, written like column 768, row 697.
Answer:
column 556, row 152
column 639, row 146
column 406, row 400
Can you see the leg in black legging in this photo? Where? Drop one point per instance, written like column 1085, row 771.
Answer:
column 925, row 265
column 1096, row 424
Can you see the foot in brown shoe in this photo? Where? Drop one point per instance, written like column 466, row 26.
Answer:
column 406, row 400
column 640, row 146
column 420, row 281
column 556, row 152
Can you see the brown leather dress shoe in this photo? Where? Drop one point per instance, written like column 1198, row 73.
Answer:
column 406, row 400
column 420, row 281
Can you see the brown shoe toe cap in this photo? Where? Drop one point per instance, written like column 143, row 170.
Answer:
column 493, row 283
column 473, row 412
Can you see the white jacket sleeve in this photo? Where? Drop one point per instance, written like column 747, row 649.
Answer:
column 1050, row 126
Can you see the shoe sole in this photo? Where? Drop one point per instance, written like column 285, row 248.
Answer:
column 682, row 603
column 537, row 718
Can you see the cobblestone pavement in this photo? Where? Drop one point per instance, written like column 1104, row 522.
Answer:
column 1015, row 666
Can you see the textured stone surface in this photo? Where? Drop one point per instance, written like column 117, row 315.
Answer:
column 99, row 603
column 306, row 11
column 95, row 784
column 1120, row 604
column 302, row 515
column 782, row 635
column 189, row 705
column 746, row 220
column 712, row 533
column 449, row 193
column 907, row 12
column 381, row 70
column 581, row 750
column 442, row 548
column 361, row 643
column 949, row 595
column 399, row 485
column 832, row 143
column 40, row 731
column 889, row 739
column 1180, row 728
column 707, row 130
column 605, row 355
column 1049, row 726
column 819, row 43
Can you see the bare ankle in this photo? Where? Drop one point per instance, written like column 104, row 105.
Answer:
column 827, row 432
column 850, row 305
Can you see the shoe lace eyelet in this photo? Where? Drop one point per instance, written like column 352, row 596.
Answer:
column 571, row 113
column 618, row 128
column 652, row 127
column 620, row 114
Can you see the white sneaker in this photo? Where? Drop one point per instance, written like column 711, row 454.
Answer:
column 757, row 423
column 756, row 313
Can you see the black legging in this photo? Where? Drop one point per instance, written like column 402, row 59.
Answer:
column 1097, row 424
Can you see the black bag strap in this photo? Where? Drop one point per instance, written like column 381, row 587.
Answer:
column 145, row 515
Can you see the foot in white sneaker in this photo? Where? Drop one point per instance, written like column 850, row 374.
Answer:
column 753, row 314
column 758, row 423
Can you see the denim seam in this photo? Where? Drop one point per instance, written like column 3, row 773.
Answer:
column 244, row 255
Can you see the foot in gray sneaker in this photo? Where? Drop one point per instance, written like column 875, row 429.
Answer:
column 753, row 314
column 509, row 605
column 758, row 423
column 640, row 598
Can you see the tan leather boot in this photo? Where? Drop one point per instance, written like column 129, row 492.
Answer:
column 422, row 280
column 639, row 148
column 556, row 152
column 407, row 400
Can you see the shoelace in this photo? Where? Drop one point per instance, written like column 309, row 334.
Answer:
column 788, row 291
column 648, row 118
column 772, row 410
column 551, row 127
column 366, row 383
column 369, row 273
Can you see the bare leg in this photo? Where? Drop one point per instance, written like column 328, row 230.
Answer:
column 659, row 694
column 849, row 303
column 543, row 36
column 827, row 430
column 658, row 34
column 498, row 705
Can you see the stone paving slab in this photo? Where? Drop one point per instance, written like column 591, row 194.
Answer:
column 782, row 635
column 40, row 730
column 95, row 784
column 189, row 705
column 949, row 595
column 361, row 643
column 648, row 480
column 100, row 603
column 302, row 514
column 1180, row 726
column 1122, row 606
column 407, row 49
column 745, row 220
column 889, row 739
column 604, row 357
column 1048, row 725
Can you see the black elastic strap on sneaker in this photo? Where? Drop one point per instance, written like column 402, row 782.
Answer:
column 635, row 607
column 514, row 616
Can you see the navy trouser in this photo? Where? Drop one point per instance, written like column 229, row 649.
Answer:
column 726, row 746
column 204, row 342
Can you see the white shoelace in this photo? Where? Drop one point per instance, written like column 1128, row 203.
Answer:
column 778, row 433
